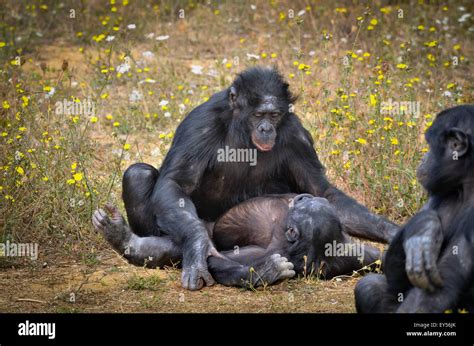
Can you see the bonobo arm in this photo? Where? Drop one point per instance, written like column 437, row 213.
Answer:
column 176, row 215
column 308, row 173
column 422, row 239
column 358, row 220
column 456, row 268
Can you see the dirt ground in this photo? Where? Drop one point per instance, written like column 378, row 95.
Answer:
column 115, row 286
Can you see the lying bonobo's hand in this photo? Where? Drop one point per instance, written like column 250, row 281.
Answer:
column 422, row 241
column 195, row 273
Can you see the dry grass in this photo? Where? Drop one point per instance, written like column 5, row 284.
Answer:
column 342, row 59
column 114, row 286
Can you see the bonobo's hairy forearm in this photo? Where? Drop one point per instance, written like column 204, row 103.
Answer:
column 358, row 220
column 176, row 216
column 422, row 240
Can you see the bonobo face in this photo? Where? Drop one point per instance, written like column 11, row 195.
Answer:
column 426, row 166
column 260, row 100
column 263, row 123
column 310, row 221
column 450, row 160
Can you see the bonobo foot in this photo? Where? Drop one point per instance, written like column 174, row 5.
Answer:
column 273, row 269
column 153, row 252
column 114, row 228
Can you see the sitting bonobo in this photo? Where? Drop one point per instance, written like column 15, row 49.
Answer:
column 262, row 240
column 429, row 266
column 195, row 184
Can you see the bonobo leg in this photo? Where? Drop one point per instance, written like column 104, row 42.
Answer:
column 372, row 295
column 266, row 270
column 380, row 292
column 138, row 183
column 156, row 251
column 394, row 266
column 150, row 251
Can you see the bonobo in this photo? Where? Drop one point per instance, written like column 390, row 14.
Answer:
column 195, row 184
column 261, row 241
column 429, row 264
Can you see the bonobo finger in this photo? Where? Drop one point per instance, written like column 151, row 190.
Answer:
column 288, row 274
column 96, row 222
column 432, row 267
column 100, row 219
column 410, row 264
column 195, row 282
column 420, row 278
column 208, row 278
column 185, row 279
column 110, row 207
column 101, row 214
column 114, row 212
column 408, row 261
column 290, row 265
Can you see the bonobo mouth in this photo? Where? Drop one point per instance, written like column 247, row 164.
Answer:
column 263, row 146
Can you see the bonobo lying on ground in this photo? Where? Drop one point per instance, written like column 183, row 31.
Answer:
column 275, row 235
column 429, row 266
column 194, row 186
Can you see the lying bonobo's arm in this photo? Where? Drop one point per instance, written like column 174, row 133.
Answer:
column 422, row 240
column 358, row 220
column 456, row 269
column 308, row 172
column 176, row 215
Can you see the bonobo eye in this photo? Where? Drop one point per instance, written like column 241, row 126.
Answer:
column 258, row 114
column 275, row 114
column 292, row 234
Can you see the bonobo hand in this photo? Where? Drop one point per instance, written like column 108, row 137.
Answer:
column 422, row 243
column 195, row 272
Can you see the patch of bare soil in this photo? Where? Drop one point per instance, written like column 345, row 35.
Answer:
column 115, row 286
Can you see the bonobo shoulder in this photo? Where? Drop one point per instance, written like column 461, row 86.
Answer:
column 204, row 118
column 211, row 109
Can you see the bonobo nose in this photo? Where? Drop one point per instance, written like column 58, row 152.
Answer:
column 265, row 128
column 302, row 197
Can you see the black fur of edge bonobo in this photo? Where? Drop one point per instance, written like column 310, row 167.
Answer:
column 429, row 264
column 193, row 187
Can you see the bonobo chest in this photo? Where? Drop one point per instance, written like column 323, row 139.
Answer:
column 229, row 183
column 454, row 212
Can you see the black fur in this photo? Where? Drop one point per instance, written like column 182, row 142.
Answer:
column 429, row 265
column 193, row 187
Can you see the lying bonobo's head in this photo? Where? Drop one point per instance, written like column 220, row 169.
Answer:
column 311, row 223
column 260, row 98
column 450, row 161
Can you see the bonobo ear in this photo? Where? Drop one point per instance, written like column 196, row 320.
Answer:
column 233, row 97
column 292, row 234
column 457, row 141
